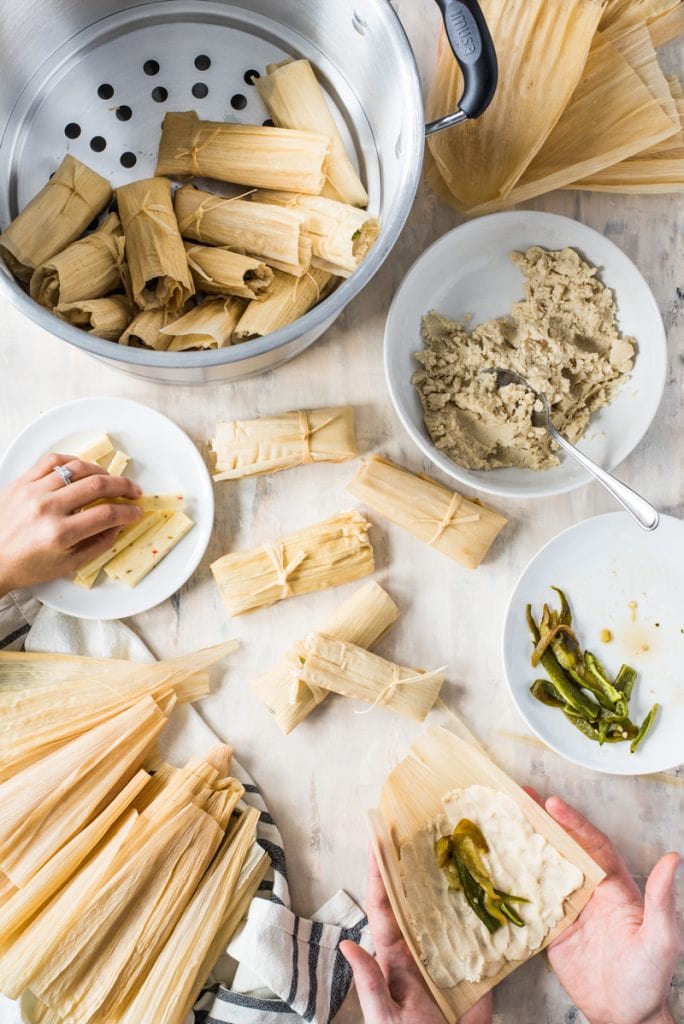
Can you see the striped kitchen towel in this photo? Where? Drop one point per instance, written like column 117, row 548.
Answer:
column 279, row 968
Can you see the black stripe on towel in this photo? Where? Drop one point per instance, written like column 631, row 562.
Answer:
column 276, row 853
column 314, row 953
column 295, row 964
column 22, row 631
column 249, row 787
column 266, row 819
column 342, row 973
column 251, row 1002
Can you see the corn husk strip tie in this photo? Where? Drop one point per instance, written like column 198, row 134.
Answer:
column 150, row 210
column 386, row 696
column 448, row 519
column 276, row 553
column 210, row 203
column 196, row 148
column 308, row 432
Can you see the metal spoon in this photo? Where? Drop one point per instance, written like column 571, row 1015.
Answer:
column 641, row 511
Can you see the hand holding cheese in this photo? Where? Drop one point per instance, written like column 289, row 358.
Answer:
column 45, row 531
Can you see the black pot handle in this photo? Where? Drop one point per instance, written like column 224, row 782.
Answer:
column 470, row 39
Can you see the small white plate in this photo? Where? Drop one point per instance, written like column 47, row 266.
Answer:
column 603, row 564
column 164, row 460
column 469, row 273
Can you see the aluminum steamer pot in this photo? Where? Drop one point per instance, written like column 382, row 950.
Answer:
column 95, row 78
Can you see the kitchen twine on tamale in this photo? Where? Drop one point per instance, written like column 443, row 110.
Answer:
column 210, row 203
column 385, row 696
column 307, row 432
column 150, row 210
column 448, row 519
column 276, row 553
column 196, row 148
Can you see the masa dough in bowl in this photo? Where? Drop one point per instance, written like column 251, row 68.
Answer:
column 563, row 337
column 453, row 943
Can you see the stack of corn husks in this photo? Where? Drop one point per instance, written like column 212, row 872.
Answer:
column 121, row 877
column 582, row 103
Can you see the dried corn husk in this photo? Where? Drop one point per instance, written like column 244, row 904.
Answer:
column 323, row 555
column 271, row 443
column 32, row 949
column 209, row 325
column 668, row 26
column 255, row 228
column 288, row 299
column 542, row 51
column 106, row 318
column 167, row 987
column 411, row 798
column 341, row 234
column 658, row 169
column 145, row 328
column 295, row 99
column 54, row 218
column 353, row 671
column 28, row 899
column 222, row 272
column 362, row 619
column 47, row 699
column 627, row 13
column 154, row 249
column 87, row 269
column 246, row 154
column 621, row 106
column 458, row 527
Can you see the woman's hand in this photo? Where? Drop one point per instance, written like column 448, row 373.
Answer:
column 617, row 960
column 45, row 531
column 390, row 987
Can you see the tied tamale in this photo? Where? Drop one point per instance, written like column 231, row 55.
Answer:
column 154, row 249
column 146, row 328
column 272, row 443
column 288, row 299
column 73, row 197
column 209, row 325
column 217, row 271
column 89, row 268
column 107, row 318
column 246, row 154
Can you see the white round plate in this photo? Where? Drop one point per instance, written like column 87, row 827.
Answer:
column 469, row 273
column 164, row 460
column 604, row 564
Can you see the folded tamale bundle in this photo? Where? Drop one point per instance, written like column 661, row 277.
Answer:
column 341, row 235
column 288, row 299
column 154, row 249
column 209, row 325
column 245, row 154
column 295, row 99
column 217, row 271
column 456, row 526
column 146, row 328
column 326, row 554
column 73, row 197
column 107, row 317
column 269, row 232
column 542, row 49
column 87, row 269
column 361, row 619
column 272, row 443
column 352, row 671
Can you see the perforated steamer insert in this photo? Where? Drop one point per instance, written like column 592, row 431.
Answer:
column 102, row 80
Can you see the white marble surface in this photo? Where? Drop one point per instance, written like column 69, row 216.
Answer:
column 320, row 780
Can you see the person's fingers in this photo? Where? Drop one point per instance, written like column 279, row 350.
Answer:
column 591, row 839
column 89, row 549
column 51, row 481
column 534, row 794
column 480, row 1013
column 660, row 925
column 95, row 487
column 374, row 995
column 44, row 466
column 383, row 924
column 93, row 521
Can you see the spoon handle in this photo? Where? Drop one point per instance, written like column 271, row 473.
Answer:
column 641, row 511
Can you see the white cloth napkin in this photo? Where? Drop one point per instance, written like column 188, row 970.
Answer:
column 279, row 967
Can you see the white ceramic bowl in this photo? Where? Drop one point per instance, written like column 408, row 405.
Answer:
column 164, row 460
column 468, row 272
column 603, row 565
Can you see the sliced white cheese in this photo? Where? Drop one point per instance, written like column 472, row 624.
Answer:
column 150, row 521
column 133, row 564
column 97, row 449
column 117, row 466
